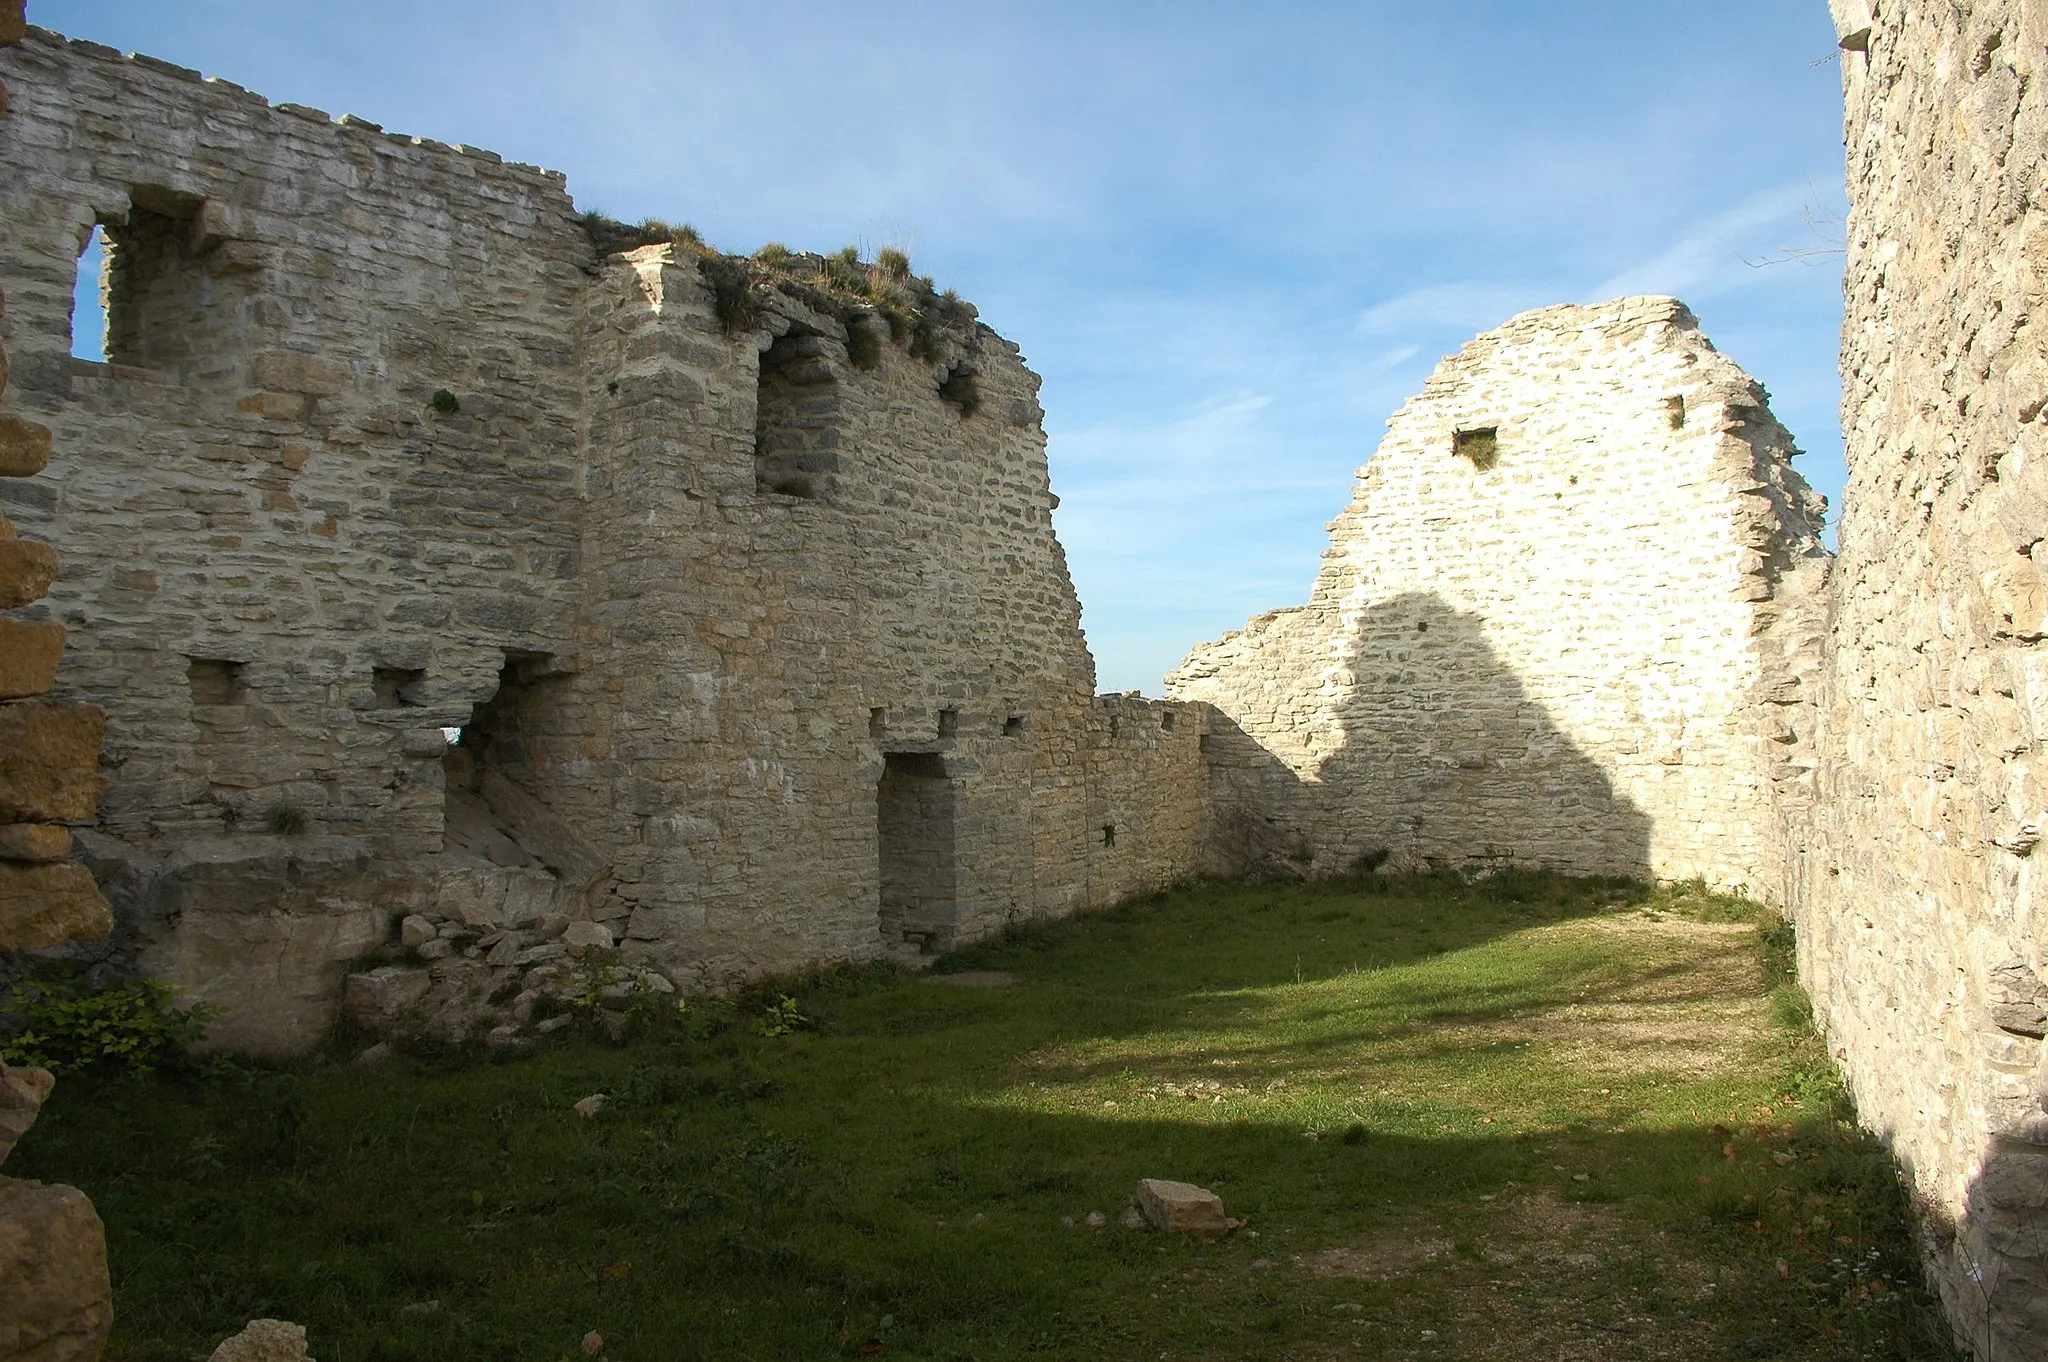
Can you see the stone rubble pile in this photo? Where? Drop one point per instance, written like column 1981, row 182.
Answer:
column 503, row 975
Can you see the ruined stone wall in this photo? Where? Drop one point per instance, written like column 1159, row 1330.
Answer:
column 689, row 549
column 1920, row 905
column 1564, row 622
column 53, row 1257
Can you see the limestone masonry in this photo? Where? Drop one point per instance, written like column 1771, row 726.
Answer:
column 1920, row 908
column 1569, row 620
column 438, row 603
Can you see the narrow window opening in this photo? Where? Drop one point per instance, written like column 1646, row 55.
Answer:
column 796, row 419
column 214, row 681
column 949, row 722
column 1166, row 721
column 878, row 722
column 157, row 296
column 1422, row 626
column 1109, row 834
column 1674, row 411
column 1014, row 725
column 89, row 300
column 398, row 687
column 1202, row 743
column 1481, row 445
column 1115, row 726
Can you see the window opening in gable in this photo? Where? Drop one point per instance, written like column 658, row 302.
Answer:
column 1481, row 445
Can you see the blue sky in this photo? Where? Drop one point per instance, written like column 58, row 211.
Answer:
column 1232, row 237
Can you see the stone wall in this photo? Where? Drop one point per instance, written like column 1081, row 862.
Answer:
column 390, row 444
column 1566, row 621
column 1920, row 906
column 53, row 1256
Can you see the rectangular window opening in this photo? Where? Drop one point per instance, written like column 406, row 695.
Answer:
column 1674, row 411
column 1015, row 725
column 1109, row 834
column 949, row 722
column 878, row 722
column 214, row 681
column 1481, row 445
column 1167, row 721
column 796, row 418
column 399, row 687
column 152, row 290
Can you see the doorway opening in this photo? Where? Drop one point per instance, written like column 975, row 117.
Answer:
column 919, row 871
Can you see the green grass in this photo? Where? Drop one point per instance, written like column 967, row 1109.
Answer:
column 1527, row 1118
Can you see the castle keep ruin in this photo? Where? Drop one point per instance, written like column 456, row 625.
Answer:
column 749, row 613
column 1568, row 620
column 460, row 574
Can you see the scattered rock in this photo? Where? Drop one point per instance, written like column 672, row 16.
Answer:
column 1095, row 1220
column 551, row 1025
column 591, row 1105
column 22, row 1094
column 579, row 937
column 437, row 950
column 1132, row 1218
column 55, row 1301
column 417, row 931
column 593, row 1343
column 265, row 1340
column 377, row 1053
column 1183, row 1208
column 501, row 1037
column 379, row 999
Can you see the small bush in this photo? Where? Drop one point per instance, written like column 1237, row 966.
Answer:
column 893, row 263
column 863, row 345
column 774, row 254
column 444, row 402
column 732, row 293
column 961, row 389
column 924, row 339
column 783, row 1017
column 285, row 820
column 66, row 1028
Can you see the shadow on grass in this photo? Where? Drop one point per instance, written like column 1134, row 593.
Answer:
column 912, row 1175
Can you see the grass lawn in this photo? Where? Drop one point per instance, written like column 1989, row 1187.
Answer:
column 1524, row 1119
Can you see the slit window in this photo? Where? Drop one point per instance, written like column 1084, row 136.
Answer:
column 949, row 722
column 89, row 299
column 398, row 687
column 1481, row 445
column 878, row 722
column 1109, row 834
column 215, row 681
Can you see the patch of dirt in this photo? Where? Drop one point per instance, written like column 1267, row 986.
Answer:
column 974, row 978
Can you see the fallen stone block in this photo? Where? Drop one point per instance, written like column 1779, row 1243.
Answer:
column 34, row 842
column 58, row 1304
column 265, row 1340
column 46, row 905
column 29, row 652
column 24, row 447
column 579, row 937
column 22, row 1094
column 1183, row 1208
column 416, row 931
column 27, row 567
column 49, row 761
column 380, row 999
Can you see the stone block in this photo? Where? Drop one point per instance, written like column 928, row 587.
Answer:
column 287, row 372
column 579, row 937
column 265, row 1340
column 380, row 999
column 59, row 1304
column 27, row 567
column 22, row 1094
column 24, row 447
column 49, row 758
column 29, row 653
column 34, row 842
column 48, row 904
column 1182, row 1208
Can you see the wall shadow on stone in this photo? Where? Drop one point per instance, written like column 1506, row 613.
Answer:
column 1430, row 752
